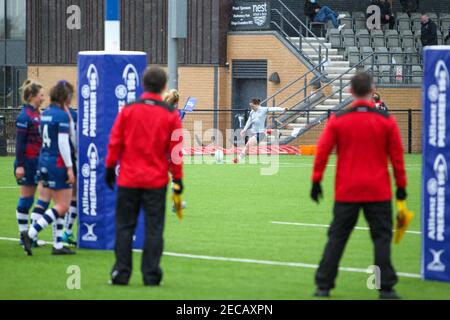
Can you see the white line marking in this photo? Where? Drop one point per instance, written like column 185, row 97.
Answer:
column 262, row 262
column 12, row 187
column 327, row 226
column 289, row 164
column 9, row 239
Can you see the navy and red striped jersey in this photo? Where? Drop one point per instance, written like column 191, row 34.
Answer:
column 28, row 138
column 54, row 121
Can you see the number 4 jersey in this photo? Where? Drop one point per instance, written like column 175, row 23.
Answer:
column 52, row 170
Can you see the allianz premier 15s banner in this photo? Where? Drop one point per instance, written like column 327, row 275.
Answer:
column 106, row 83
column 436, row 160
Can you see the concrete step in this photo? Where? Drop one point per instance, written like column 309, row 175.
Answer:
column 338, row 70
column 314, row 39
column 323, row 107
column 314, row 114
column 337, row 83
column 332, row 57
column 304, row 120
column 309, row 39
column 297, row 125
column 313, row 52
column 335, row 88
column 313, row 45
column 344, row 77
column 330, row 102
column 345, row 95
column 340, row 64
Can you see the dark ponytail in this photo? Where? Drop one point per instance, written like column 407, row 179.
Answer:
column 61, row 92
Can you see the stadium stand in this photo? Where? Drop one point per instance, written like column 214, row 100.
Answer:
column 363, row 38
column 392, row 56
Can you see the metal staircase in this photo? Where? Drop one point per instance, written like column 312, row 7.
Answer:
column 334, row 67
column 330, row 67
column 316, row 107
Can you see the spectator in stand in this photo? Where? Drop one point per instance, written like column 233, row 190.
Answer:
column 379, row 104
column 410, row 6
column 429, row 31
column 447, row 38
column 316, row 13
column 386, row 12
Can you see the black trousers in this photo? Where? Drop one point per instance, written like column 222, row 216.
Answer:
column 410, row 5
column 129, row 203
column 391, row 21
column 379, row 218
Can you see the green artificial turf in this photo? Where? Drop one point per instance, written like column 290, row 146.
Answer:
column 230, row 213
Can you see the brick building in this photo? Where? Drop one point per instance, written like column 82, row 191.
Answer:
column 219, row 66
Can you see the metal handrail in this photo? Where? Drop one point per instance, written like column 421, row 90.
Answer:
column 289, row 85
column 300, row 21
column 304, row 89
column 301, row 37
column 295, row 29
column 299, row 50
column 392, row 55
column 331, row 82
column 319, row 120
column 299, row 32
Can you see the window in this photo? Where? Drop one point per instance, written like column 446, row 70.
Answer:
column 11, row 79
column 16, row 19
column 2, row 19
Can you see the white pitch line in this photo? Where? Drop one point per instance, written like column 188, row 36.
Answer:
column 327, row 226
column 9, row 239
column 277, row 263
column 261, row 262
column 17, row 240
column 12, row 187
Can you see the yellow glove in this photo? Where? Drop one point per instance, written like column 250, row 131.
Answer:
column 404, row 218
column 177, row 201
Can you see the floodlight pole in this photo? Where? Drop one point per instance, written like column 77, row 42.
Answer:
column 177, row 29
column 112, row 25
column 172, row 48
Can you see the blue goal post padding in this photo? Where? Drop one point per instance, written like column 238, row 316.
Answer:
column 436, row 160
column 106, row 83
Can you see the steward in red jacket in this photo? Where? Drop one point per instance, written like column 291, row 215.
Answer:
column 365, row 139
column 141, row 140
column 147, row 141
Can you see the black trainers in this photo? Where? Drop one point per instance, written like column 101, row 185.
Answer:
column 389, row 295
column 117, row 282
column 118, row 279
column 27, row 243
column 322, row 293
column 62, row 252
